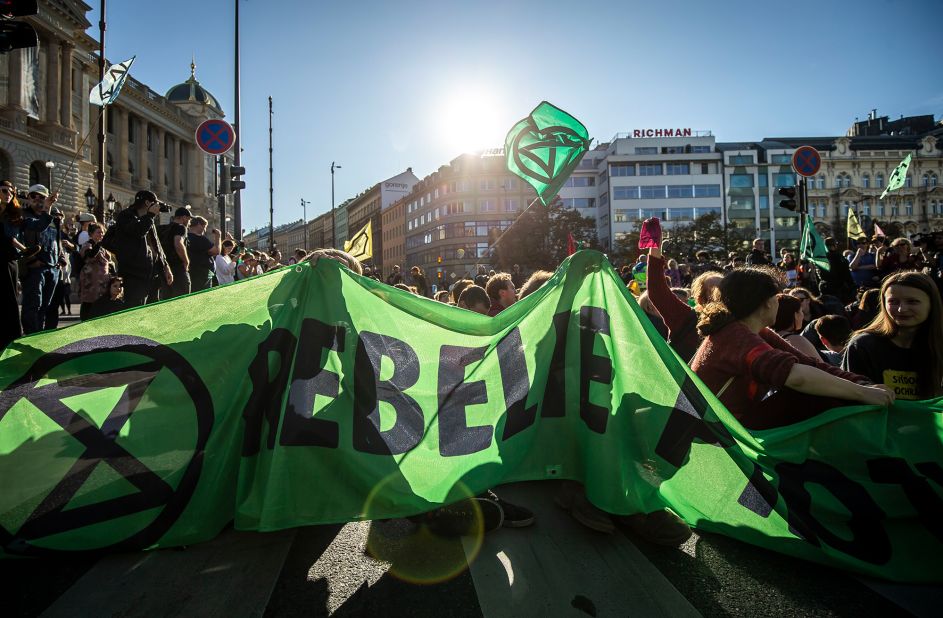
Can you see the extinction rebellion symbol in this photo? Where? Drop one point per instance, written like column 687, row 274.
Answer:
column 120, row 453
column 540, row 146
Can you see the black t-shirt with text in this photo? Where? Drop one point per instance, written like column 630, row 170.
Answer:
column 881, row 361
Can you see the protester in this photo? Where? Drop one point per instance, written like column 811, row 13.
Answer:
column 653, row 316
column 474, row 298
column 481, row 279
column 63, row 277
column 41, row 272
column 762, row 380
column 458, row 287
column 863, row 264
column 395, row 276
column 175, row 242
column 517, row 276
column 866, row 309
column 11, row 218
column 96, row 271
column 836, row 280
column 834, row 332
column 789, row 266
column 757, row 256
column 788, row 325
column 808, row 303
column 902, row 348
column 248, row 266
column 899, row 256
column 137, row 250
column 112, row 302
column 502, row 293
column 419, row 281
column 442, row 296
column 533, row 283
column 226, row 264
column 202, row 252
column 640, row 272
column 673, row 273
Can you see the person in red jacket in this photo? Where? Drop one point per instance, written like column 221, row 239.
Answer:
column 760, row 378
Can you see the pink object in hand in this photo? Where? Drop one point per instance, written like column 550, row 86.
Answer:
column 650, row 236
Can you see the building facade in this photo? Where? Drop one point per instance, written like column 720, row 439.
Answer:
column 393, row 236
column 370, row 204
column 46, row 123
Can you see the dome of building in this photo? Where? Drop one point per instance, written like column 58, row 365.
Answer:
column 191, row 91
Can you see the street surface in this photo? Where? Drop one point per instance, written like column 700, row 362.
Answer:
column 555, row 568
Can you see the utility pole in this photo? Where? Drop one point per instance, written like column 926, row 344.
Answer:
column 271, row 191
column 220, row 197
column 304, row 215
column 100, row 174
column 333, row 225
column 237, row 159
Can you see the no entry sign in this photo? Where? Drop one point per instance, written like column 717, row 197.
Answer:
column 806, row 161
column 215, row 136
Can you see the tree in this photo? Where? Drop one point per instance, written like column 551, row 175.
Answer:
column 538, row 237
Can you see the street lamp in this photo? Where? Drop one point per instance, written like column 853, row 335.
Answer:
column 304, row 215
column 333, row 226
column 110, row 202
column 90, row 199
column 49, row 166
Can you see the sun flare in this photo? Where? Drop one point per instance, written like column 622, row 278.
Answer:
column 471, row 120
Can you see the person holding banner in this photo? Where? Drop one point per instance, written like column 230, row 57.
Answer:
column 758, row 376
column 902, row 347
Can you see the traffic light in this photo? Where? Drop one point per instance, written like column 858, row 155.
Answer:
column 229, row 178
column 16, row 34
column 790, row 202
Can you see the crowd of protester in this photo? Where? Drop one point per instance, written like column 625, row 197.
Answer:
column 777, row 339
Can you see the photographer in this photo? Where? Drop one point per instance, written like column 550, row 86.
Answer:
column 141, row 261
column 41, row 274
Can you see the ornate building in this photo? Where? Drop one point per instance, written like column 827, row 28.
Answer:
column 46, row 123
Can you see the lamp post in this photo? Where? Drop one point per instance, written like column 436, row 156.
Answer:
column 49, row 166
column 90, row 199
column 304, row 215
column 110, row 203
column 333, row 226
column 100, row 172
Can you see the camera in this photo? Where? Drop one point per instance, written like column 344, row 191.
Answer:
column 163, row 207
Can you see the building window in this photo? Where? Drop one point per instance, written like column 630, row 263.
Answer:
column 781, row 159
column 625, row 193
column 866, row 208
column 895, row 210
column 150, row 139
column 622, row 169
column 488, row 206
column 909, row 182
column 741, row 180
column 866, row 181
column 706, row 190
column 784, row 180
column 579, row 202
column 932, row 182
column 700, row 149
column 604, row 199
column 678, row 169
column 510, row 205
column 649, row 169
column 879, row 181
column 741, row 160
column 680, row 191
column 623, row 215
column 652, row 192
column 646, row 150
column 580, row 181
column 880, row 209
column 820, row 182
column 680, row 214
column 909, row 208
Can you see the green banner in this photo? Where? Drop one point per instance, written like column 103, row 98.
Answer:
column 812, row 247
column 311, row 395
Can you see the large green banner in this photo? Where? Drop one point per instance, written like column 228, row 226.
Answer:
column 311, row 395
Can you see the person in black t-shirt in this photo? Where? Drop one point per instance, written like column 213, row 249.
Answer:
column 203, row 252
column 902, row 347
column 174, row 241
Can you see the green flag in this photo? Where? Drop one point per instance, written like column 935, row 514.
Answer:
column 327, row 397
column 898, row 176
column 812, row 247
column 544, row 148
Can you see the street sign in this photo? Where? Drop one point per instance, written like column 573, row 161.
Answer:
column 215, row 136
column 806, row 161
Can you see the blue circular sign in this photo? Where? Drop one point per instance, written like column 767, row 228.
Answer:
column 215, row 136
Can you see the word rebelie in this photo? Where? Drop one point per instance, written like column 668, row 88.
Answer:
column 661, row 133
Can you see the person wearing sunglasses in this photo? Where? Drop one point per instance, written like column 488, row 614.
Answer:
column 40, row 228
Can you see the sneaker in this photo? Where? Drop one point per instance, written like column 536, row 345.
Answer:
column 572, row 498
column 661, row 527
column 514, row 516
column 459, row 519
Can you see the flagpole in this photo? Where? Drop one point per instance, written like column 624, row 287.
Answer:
column 508, row 228
column 76, row 155
column 100, row 174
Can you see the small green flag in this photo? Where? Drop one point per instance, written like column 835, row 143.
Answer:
column 812, row 247
column 898, row 176
column 543, row 149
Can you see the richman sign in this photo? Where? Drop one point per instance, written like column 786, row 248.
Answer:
column 661, row 133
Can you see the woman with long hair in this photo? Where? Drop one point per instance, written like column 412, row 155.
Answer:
column 788, row 325
column 902, row 347
column 866, row 309
column 96, row 271
column 760, row 378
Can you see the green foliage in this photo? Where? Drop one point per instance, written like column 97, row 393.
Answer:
column 538, row 238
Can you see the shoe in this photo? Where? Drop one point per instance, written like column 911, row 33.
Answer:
column 572, row 498
column 661, row 527
column 459, row 519
column 514, row 516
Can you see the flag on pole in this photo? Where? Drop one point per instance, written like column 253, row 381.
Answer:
column 898, row 176
column 877, row 230
column 853, row 227
column 361, row 244
column 570, row 244
column 812, row 247
column 544, row 148
column 107, row 91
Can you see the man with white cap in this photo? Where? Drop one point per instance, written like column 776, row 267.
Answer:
column 42, row 229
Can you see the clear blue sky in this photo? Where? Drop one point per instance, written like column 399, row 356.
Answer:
column 379, row 86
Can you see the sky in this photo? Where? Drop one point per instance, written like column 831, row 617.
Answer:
column 381, row 86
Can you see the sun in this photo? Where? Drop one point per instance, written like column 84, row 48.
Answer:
column 470, row 120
